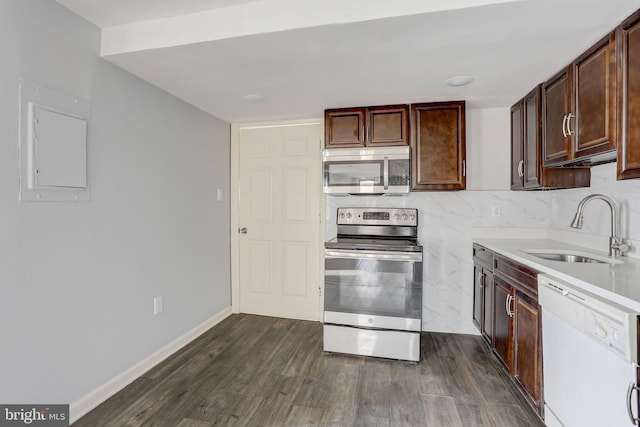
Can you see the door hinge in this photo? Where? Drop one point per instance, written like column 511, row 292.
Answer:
column 319, row 291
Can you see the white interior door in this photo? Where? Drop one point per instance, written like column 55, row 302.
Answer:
column 279, row 247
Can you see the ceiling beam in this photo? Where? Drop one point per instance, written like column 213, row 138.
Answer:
column 263, row 17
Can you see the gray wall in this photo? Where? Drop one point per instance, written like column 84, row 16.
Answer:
column 77, row 280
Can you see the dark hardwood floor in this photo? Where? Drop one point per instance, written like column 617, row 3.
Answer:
column 263, row 371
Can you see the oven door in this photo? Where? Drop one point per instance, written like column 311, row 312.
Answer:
column 374, row 289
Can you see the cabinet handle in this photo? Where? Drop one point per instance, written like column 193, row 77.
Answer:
column 363, row 133
column 632, row 387
column 564, row 126
column 521, row 168
column 507, row 305
column 464, row 168
column 569, row 131
column 480, row 279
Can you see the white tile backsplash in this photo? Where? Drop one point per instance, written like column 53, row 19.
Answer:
column 596, row 213
column 446, row 220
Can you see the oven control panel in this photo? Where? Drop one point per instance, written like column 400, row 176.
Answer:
column 378, row 216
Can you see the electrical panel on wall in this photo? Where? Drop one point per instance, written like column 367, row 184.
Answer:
column 53, row 145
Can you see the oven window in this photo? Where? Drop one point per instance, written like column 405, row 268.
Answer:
column 350, row 173
column 373, row 287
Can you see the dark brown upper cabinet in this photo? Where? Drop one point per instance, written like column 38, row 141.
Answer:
column 344, row 127
column 367, row 126
column 388, row 125
column 579, row 109
column 533, row 173
column 438, row 146
column 517, row 146
column 527, row 170
column 629, row 98
column 556, row 106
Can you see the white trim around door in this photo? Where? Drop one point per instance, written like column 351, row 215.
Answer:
column 236, row 130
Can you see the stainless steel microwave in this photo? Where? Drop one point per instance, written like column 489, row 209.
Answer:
column 366, row 170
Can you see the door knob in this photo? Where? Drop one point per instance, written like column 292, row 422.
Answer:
column 242, row 230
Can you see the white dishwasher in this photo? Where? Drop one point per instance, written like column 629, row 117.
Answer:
column 590, row 356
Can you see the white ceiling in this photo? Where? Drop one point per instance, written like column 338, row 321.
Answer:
column 307, row 55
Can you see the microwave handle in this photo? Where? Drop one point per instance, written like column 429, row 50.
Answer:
column 385, row 173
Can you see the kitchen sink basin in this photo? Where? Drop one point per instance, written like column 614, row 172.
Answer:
column 570, row 256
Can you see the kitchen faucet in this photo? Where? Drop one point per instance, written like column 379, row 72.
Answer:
column 616, row 245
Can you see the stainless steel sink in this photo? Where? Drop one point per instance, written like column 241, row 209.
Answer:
column 570, row 256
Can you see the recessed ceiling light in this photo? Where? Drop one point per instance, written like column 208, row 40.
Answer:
column 459, row 80
column 254, row 98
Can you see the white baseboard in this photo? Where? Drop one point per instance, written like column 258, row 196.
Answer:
column 95, row 397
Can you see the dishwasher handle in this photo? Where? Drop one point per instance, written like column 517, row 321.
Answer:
column 633, row 418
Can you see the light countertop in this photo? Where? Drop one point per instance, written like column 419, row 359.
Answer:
column 619, row 282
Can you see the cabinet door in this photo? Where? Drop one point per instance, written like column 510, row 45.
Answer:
column 556, row 105
column 438, row 146
column 593, row 119
column 344, row 127
column 532, row 106
column 629, row 98
column 527, row 363
column 388, row 125
column 502, row 331
column 517, row 146
column 487, row 307
column 478, row 297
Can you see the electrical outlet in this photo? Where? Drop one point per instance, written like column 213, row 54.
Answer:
column 495, row 210
column 158, row 305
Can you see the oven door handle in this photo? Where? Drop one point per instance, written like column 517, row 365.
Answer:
column 373, row 255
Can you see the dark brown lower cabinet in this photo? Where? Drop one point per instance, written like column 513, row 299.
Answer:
column 527, row 360
column 483, row 291
column 517, row 326
column 506, row 312
column 502, row 323
column 487, row 315
column 478, row 297
column 483, row 301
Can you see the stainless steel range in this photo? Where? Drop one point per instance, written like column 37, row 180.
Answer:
column 373, row 284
